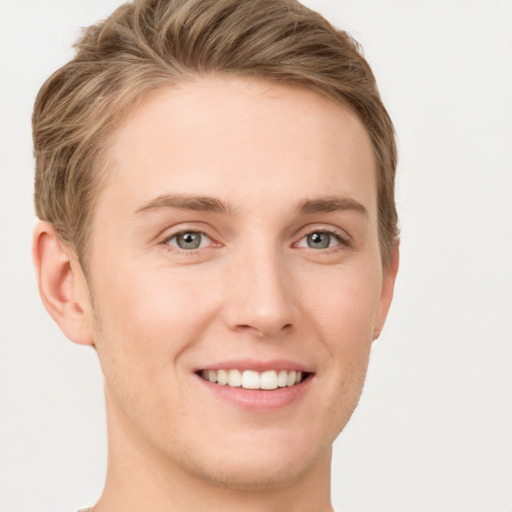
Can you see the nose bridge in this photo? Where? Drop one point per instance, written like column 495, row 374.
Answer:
column 260, row 295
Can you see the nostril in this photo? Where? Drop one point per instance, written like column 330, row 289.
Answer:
column 264, row 330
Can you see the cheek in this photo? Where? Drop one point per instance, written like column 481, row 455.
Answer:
column 345, row 308
column 346, row 318
column 154, row 314
column 143, row 329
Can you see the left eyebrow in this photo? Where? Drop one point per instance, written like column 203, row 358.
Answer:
column 331, row 204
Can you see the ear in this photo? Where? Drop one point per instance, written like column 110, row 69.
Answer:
column 388, row 287
column 62, row 284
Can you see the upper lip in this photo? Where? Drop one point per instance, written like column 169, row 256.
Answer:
column 257, row 365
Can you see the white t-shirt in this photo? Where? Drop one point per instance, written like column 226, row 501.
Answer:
column 89, row 510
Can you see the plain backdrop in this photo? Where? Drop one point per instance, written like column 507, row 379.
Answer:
column 433, row 431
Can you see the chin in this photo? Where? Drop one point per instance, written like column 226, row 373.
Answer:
column 254, row 476
column 262, row 463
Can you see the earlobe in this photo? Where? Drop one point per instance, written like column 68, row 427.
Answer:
column 388, row 287
column 61, row 283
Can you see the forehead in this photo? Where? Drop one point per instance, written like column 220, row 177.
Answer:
column 245, row 140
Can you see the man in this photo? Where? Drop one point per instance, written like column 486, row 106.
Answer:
column 215, row 187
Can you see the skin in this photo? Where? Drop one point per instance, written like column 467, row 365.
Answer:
column 255, row 289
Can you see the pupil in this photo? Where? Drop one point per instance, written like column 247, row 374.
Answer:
column 189, row 240
column 319, row 240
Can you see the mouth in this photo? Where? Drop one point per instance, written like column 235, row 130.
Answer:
column 251, row 379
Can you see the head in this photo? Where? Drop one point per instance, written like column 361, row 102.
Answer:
column 216, row 181
column 147, row 45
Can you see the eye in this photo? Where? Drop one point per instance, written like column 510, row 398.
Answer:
column 320, row 240
column 189, row 240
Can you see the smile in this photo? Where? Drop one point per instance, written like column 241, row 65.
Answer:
column 251, row 379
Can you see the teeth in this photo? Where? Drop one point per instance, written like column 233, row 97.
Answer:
column 222, row 377
column 234, row 378
column 250, row 379
column 282, row 378
column 268, row 380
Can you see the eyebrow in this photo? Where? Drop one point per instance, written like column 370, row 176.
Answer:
column 331, row 204
column 211, row 204
column 185, row 202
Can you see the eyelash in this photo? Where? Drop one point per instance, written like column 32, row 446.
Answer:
column 342, row 239
column 167, row 240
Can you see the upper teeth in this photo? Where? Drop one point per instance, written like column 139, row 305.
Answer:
column 250, row 379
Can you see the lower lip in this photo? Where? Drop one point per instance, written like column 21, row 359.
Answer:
column 258, row 399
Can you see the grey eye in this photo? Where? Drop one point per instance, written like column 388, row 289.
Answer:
column 188, row 240
column 319, row 240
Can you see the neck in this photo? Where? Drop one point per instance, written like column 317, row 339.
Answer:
column 140, row 478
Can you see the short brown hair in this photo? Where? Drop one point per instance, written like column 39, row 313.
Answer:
column 149, row 44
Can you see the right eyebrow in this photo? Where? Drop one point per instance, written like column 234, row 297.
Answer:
column 187, row 202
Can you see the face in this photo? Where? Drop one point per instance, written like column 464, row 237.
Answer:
column 237, row 279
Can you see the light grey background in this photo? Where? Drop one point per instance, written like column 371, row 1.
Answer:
column 433, row 432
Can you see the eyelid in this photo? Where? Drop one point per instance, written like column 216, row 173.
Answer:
column 169, row 233
column 178, row 233
column 171, row 230
column 344, row 238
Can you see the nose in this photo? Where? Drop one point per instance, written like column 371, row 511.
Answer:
column 260, row 299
